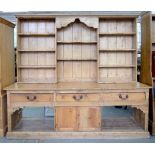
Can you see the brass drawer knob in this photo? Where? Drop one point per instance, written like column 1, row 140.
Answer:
column 31, row 98
column 123, row 97
column 78, row 98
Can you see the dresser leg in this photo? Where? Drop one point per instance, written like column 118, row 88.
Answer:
column 141, row 116
column 9, row 120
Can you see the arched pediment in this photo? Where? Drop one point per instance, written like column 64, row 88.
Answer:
column 62, row 22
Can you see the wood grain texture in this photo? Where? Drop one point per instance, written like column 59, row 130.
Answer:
column 146, row 56
column 6, row 22
column 69, row 69
column 116, row 43
column 72, row 56
column 87, row 20
column 38, row 49
column 67, row 123
column 7, row 68
column 115, row 134
column 78, row 118
column 148, row 33
column 75, row 86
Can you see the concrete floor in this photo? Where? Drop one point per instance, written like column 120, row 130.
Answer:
column 108, row 111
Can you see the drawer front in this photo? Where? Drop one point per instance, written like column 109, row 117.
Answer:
column 78, row 97
column 135, row 96
column 28, row 97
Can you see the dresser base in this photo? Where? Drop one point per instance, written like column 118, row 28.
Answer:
column 78, row 111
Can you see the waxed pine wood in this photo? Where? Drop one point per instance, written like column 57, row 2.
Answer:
column 36, row 56
column 7, row 64
column 76, row 53
column 77, row 64
column 148, row 40
column 78, row 118
column 117, row 50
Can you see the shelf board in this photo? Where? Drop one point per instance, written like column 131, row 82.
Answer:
column 117, row 50
column 36, row 67
column 117, row 34
column 118, row 66
column 36, row 50
column 77, row 59
column 36, row 34
column 77, row 42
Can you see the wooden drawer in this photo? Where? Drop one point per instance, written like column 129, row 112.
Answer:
column 134, row 96
column 83, row 97
column 30, row 97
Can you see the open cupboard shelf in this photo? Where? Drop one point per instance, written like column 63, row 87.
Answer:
column 36, row 59
column 77, row 59
column 118, row 34
column 118, row 66
column 37, row 67
column 29, row 50
column 35, row 34
column 70, row 51
column 117, row 50
column 77, row 42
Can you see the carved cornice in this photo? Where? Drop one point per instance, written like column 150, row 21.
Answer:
column 62, row 22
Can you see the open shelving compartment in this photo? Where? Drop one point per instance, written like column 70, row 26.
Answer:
column 76, row 52
column 32, row 119
column 36, row 51
column 105, row 122
column 117, row 50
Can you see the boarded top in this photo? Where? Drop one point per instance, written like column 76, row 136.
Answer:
column 114, row 14
column 6, row 22
column 78, row 86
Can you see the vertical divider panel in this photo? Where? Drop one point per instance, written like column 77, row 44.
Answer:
column 98, row 52
column 17, row 52
column 56, row 68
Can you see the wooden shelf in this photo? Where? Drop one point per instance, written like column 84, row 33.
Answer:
column 77, row 59
column 117, row 50
column 117, row 34
column 36, row 67
column 76, row 42
column 36, row 50
column 36, row 34
column 118, row 66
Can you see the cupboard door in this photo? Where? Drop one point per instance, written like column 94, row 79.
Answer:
column 89, row 118
column 153, row 63
column 66, row 118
